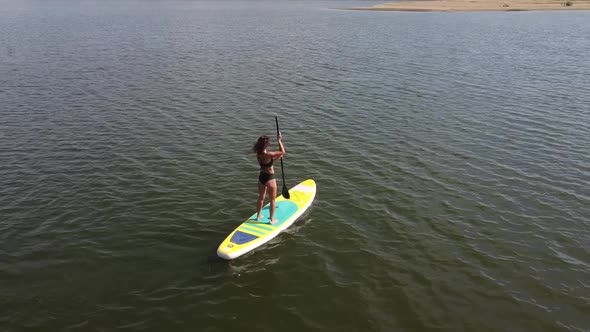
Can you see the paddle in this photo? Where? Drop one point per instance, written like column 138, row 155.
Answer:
column 285, row 189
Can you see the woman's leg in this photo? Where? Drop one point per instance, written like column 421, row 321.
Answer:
column 260, row 201
column 272, row 187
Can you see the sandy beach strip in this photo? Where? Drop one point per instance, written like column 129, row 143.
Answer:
column 479, row 5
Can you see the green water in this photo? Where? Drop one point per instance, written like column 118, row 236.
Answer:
column 450, row 150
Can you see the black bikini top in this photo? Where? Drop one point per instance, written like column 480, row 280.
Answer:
column 267, row 164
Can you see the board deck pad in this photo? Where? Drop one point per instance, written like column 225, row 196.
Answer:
column 284, row 210
column 253, row 233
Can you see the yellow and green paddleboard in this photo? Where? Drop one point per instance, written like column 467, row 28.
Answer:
column 251, row 233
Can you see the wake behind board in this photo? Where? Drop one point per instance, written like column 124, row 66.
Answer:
column 251, row 233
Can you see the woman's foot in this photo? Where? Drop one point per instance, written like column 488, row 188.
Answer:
column 274, row 221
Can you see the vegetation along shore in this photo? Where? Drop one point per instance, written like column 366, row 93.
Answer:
column 479, row 5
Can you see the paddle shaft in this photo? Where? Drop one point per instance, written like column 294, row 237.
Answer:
column 285, row 189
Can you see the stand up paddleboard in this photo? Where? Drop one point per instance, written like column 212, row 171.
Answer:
column 251, row 233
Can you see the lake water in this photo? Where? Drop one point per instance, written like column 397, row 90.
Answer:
column 451, row 153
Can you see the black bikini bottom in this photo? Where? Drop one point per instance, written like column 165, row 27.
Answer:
column 263, row 178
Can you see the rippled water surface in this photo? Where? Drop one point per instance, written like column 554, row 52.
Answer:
column 451, row 153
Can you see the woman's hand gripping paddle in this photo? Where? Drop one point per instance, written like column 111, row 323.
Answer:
column 285, row 189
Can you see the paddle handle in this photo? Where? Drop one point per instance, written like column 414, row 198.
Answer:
column 278, row 133
column 285, row 189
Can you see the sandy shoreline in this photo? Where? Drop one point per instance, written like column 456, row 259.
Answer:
column 479, row 5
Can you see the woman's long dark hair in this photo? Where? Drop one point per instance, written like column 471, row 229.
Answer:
column 260, row 145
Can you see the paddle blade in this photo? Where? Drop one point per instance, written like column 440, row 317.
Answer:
column 286, row 192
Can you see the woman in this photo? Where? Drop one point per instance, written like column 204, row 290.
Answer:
column 266, row 179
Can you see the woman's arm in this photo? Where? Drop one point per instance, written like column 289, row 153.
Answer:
column 281, row 152
column 281, row 146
